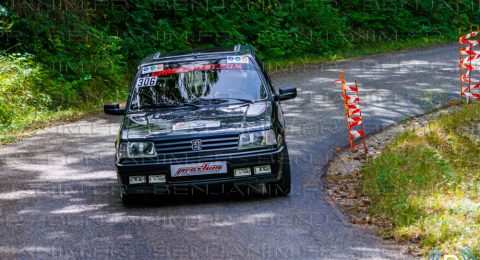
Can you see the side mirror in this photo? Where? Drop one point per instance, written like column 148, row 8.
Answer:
column 286, row 93
column 113, row 109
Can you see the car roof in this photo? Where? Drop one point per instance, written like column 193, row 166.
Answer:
column 186, row 55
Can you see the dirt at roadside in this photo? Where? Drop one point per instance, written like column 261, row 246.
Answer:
column 343, row 175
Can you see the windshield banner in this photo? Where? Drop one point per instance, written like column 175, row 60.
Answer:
column 203, row 67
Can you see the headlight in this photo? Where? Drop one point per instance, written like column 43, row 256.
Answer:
column 257, row 139
column 137, row 150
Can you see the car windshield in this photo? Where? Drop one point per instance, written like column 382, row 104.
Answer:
column 234, row 78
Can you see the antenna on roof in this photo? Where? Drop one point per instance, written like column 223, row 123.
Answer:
column 157, row 55
column 237, row 47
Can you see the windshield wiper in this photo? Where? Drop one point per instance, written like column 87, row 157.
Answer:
column 225, row 99
column 160, row 105
column 189, row 105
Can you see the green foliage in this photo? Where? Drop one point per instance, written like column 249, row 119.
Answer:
column 277, row 30
column 393, row 20
column 25, row 87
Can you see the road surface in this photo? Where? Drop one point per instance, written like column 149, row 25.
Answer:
column 59, row 199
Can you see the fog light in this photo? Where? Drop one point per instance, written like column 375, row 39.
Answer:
column 242, row 172
column 262, row 169
column 137, row 179
column 157, row 179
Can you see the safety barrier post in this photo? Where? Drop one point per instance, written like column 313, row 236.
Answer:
column 353, row 114
column 467, row 55
column 460, row 63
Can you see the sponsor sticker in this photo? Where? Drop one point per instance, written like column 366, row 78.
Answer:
column 146, row 82
column 237, row 59
column 196, row 124
column 206, row 168
column 152, row 68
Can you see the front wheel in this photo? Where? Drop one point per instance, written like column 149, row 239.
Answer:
column 127, row 199
column 283, row 186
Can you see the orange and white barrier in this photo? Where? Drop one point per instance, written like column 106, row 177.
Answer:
column 353, row 113
column 469, row 61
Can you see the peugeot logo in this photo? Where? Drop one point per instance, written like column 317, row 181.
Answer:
column 196, row 144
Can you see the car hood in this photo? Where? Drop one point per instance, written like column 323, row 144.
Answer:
column 179, row 121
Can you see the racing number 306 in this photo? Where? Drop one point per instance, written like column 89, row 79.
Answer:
column 147, row 81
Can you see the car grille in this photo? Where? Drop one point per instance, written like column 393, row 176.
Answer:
column 210, row 144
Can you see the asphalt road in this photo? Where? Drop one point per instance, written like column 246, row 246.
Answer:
column 58, row 194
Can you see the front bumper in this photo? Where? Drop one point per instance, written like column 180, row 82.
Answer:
column 274, row 158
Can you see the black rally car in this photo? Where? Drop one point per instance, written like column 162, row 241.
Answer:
column 205, row 117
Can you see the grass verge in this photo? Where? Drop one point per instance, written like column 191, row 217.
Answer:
column 426, row 184
column 28, row 124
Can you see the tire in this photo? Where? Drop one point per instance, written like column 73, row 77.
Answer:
column 127, row 200
column 283, row 186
